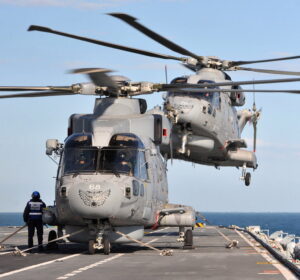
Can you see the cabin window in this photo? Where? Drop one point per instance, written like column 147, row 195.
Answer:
column 142, row 191
column 135, row 187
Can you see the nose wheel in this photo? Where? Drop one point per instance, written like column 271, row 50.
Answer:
column 94, row 245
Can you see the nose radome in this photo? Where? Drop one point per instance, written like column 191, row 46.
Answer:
column 95, row 200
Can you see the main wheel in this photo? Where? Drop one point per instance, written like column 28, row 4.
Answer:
column 247, row 179
column 188, row 239
column 52, row 236
column 92, row 247
column 106, row 245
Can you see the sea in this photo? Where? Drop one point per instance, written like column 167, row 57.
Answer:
column 288, row 222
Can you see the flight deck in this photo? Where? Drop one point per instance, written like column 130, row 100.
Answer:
column 209, row 259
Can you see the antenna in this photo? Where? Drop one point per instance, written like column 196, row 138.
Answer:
column 166, row 73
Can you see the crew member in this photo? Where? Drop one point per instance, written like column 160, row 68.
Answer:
column 32, row 215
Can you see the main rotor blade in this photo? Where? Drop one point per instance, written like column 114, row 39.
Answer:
column 153, row 35
column 209, row 85
column 103, row 43
column 37, row 94
column 28, row 88
column 20, row 88
column 269, row 71
column 98, row 76
column 194, row 90
column 242, row 62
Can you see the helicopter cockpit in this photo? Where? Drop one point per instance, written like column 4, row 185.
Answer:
column 125, row 154
column 211, row 97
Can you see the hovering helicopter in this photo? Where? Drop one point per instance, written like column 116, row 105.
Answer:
column 206, row 125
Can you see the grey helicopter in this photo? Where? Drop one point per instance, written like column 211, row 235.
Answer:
column 206, row 126
column 111, row 175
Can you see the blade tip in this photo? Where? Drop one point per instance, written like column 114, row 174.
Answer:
column 122, row 16
column 38, row 28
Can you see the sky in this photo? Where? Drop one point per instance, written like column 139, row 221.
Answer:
column 235, row 30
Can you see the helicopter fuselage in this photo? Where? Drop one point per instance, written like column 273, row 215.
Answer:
column 111, row 173
column 206, row 124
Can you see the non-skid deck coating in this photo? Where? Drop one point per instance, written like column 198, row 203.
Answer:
column 209, row 260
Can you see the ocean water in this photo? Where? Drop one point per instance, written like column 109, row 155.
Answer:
column 288, row 222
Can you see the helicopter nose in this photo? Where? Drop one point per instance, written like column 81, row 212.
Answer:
column 95, row 200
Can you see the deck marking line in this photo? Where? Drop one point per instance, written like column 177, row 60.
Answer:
column 73, row 273
column 37, row 265
column 79, row 270
column 283, row 270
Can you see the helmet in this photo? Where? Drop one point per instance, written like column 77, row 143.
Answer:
column 35, row 194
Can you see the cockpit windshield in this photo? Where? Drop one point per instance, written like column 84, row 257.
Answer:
column 210, row 96
column 79, row 155
column 124, row 155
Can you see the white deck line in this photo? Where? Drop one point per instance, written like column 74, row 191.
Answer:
column 79, row 270
column 287, row 274
column 37, row 265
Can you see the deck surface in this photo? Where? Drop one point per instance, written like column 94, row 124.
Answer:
column 208, row 260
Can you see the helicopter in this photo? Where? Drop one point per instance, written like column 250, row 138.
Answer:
column 111, row 175
column 206, row 126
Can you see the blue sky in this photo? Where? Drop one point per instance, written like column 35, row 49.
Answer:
column 237, row 30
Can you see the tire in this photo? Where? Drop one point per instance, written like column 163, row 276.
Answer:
column 188, row 238
column 247, row 179
column 92, row 249
column 106, row 245
column 51, row 236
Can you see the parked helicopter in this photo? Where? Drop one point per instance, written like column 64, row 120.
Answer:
column 206, row 125
column 111, row 175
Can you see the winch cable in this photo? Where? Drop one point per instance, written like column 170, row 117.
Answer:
column 165, row 252
column 23, row 252
column 11, row 235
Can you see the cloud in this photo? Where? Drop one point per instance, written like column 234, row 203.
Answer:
column 78, row 4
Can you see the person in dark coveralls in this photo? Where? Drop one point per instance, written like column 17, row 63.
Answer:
column 32, row 215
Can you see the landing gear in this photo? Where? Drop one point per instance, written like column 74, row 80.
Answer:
column 52, row 236
column 99, row 232
column 181, row 235
column 96, row 245
column 106, row 245
column 92, row 245
column 246, row 176
column 188, row 239
column 247, row 179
